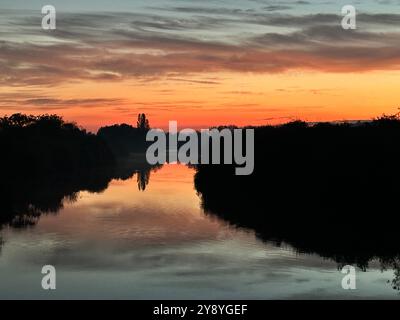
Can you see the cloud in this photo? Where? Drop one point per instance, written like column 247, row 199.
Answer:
column 31, row 100
column 120, row 46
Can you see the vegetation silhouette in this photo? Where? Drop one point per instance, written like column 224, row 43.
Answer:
column 47, row 161
column 124, row 139
column 142, row 123
column 324, row 188
column 327, row 189
column 37, row 145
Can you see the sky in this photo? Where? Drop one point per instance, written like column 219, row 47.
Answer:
column 247, row 62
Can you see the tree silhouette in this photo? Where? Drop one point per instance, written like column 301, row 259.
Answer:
column 317, row 188
column 143, row 122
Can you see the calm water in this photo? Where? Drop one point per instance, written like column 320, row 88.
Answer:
column 159, row 244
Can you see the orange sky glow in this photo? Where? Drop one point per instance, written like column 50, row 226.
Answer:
column 237, row 63
column 230, row 98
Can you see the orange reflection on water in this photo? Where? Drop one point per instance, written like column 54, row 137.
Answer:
column 168, row 211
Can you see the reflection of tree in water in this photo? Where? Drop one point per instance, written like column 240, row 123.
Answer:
column 23, row 201
column 326, row 190
column 143, row 178
column 301, row 217
column 128, row 167
column 47, row 161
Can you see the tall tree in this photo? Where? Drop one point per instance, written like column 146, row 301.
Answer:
column 143, row 122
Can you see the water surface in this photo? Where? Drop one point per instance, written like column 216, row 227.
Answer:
column 157, row 243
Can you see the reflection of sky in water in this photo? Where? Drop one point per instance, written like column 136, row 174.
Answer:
column 125, row 243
